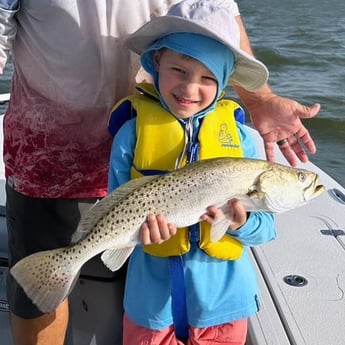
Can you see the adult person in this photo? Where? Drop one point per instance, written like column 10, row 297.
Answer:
column 70, row 67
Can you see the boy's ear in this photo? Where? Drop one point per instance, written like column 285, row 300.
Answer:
column 156, row 58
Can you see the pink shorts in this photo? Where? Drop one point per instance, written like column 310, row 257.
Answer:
column 232, row 333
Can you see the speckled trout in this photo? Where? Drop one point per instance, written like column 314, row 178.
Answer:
column 112, row 225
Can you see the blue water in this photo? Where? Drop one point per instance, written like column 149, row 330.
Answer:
column 303, row 45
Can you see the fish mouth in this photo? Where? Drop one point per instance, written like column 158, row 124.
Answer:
column 319, row 189
column 315, row 189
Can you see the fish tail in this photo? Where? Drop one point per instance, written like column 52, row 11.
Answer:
column 47, row 278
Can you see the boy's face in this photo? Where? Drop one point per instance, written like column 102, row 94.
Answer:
column 185, row 84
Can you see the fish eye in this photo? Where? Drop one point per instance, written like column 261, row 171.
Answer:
column 302, row 176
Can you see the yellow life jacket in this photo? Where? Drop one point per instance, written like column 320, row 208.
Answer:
column 161, row 139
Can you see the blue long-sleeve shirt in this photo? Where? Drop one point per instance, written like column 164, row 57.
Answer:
column 217, row 291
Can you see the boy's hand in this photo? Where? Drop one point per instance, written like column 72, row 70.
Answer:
column 156, row 230
column 236, row 212
column 239, row 214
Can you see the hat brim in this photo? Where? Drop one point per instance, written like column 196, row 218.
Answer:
column 249, row 72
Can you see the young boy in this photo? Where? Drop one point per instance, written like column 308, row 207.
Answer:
column 180, row 288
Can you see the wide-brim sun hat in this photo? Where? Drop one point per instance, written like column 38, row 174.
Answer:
column 211, row 18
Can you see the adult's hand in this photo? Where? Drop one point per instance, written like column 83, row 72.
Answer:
column 278, row 118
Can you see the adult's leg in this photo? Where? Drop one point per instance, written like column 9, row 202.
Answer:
column 46, row 329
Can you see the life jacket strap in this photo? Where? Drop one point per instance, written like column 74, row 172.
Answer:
column 178, row 297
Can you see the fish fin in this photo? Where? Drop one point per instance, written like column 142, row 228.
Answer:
column 253, row 201
column 103, row 206
column 131, row 185
column 46, row 278
column 221, row 225
column 115, row 258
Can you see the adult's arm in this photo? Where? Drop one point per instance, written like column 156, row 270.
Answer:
column 277, row 117
column 8, row 28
